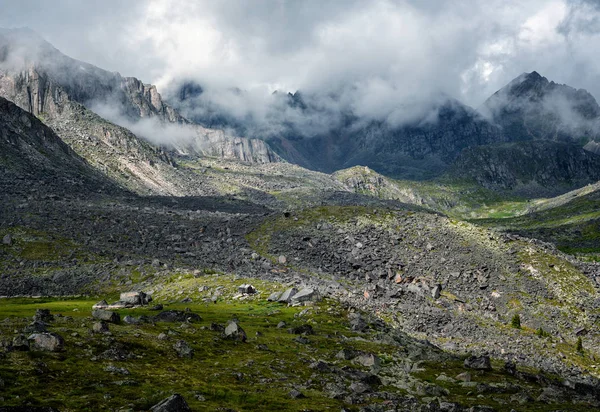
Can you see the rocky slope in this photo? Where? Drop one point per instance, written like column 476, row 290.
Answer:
column 34, row 159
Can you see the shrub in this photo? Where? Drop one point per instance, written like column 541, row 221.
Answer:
column 516, row 321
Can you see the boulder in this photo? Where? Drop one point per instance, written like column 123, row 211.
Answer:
column 106, row 315
column 235, row 332
column 305, row 329
column 120, row 305
column 135, row 298
column 7, row 240
column 174, row 403
column 101, row 305
column 35, row 326
column 368, row 359
column 183, row 349
column 43, row 315
column 306, row 295
column 130, row 320
column 296, row 394
column 100, row 327
column 478, row 362
column 247, row 289
column 20, row 343
column 157, row 307
column 177, row 316
column 282, row 260
column 436, row 291
column 48, row 341
column 286, row 297
column 274, row 297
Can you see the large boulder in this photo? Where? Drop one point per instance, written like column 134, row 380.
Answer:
column 286, row 297
column 48, row 341
column 174, row 403
column 306, row 295
column 135, row 298
column 247, row 289
column 235, row 332
column 106, row 315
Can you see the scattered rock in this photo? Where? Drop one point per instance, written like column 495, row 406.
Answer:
column 100, row 327
column 296, row 394
column 130, row 320
column 478, row 363
column 282, row 260
column 247, row 289
column 101, row 305
column 177, row 316
column 286, row 297
column 368, row 359
column 174, row 403
column 20, row 343
column 274, row 297
column 48, row 341
column 43, row 315
column 436, row 291
column 235, row 332
column 35, row 326
column 135, row 298
column 183, row 349
column 7, row 240
column 305, row 295
column 106, row 315
column 157, row 307
column 464, row 377
column 305, row 329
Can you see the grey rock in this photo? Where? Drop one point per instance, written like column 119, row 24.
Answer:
column 235, row 332
column 130, row 320
column 177, row 316
column 7, row 240
column 183, row 349
column 106, row 315
column 48, row 341
column 296, row 394
column 20, row 343
column 43, row 315
column 35, row 326
column 368, row 359
column 305, row 295
column 101, row 305
column 286, row 297
column 478, row 363
column 435, row 292
column 100, row 327
column 174, row 403
column 274, row 297
column 247, row 289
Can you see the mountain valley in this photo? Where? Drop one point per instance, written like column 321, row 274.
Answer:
column 445, row 264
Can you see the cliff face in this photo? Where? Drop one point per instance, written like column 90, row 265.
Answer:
column 39, row 79
column 536, row 168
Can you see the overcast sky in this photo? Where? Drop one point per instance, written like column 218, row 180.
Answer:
column 384, row 48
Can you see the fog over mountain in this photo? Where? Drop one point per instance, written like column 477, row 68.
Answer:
column 383, row 60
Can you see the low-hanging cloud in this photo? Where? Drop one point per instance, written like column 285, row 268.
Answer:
column 385, row 60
